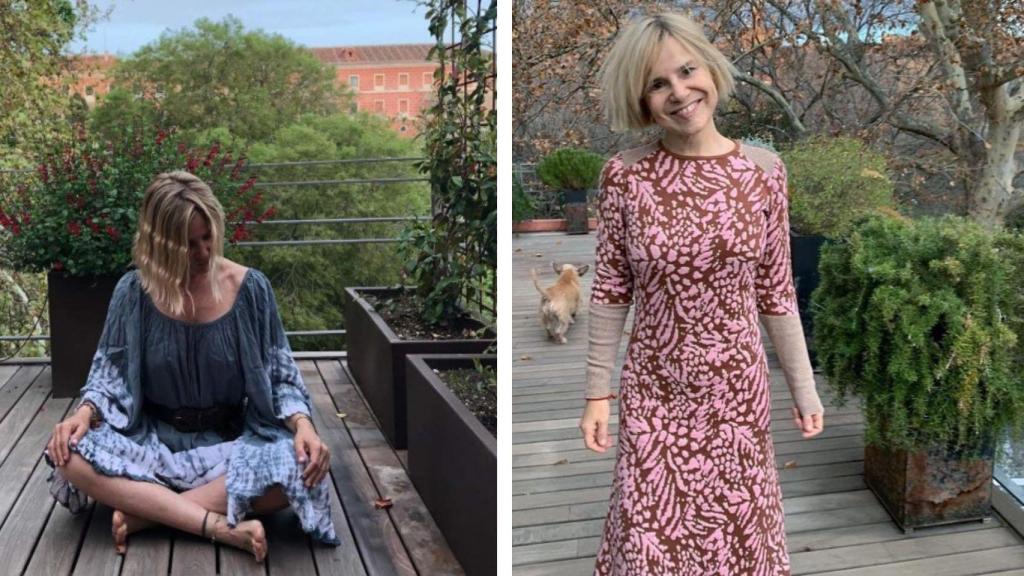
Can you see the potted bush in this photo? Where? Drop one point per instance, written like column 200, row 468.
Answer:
column 451, row 260
column 452, row 457
column 75, row 219
column 921, row 320
column 573, row 173
column 832, row 182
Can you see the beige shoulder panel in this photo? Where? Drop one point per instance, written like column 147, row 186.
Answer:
column 763, row 157
column 634, row 155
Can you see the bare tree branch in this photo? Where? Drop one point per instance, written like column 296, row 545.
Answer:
column 778, row 98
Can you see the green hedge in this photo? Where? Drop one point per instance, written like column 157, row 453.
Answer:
column 920, row 319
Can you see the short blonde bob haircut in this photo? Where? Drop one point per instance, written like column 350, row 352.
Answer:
column 627, row 68
column 161, row 242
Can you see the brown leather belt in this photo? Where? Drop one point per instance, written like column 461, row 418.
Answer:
column 226, row 420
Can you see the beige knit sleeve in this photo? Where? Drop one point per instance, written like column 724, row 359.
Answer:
column 606, row 323
column 787, row 336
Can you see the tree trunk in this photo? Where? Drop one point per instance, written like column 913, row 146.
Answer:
column 992, row 197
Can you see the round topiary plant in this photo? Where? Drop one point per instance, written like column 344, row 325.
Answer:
column 832, row 182
column 570, row 169
column 920, row 319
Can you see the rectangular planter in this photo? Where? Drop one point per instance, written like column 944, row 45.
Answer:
column 453, row 461
column 78, row 309
column 376, row 358
column 929, row 488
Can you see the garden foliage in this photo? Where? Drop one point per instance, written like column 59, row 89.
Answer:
column 922, row 320
column 452, row 260
column 570, row 169
column 833, row 181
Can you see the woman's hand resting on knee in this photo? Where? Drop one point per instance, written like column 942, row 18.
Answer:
column 594, row 425
column 310, row 450
column 70, row 430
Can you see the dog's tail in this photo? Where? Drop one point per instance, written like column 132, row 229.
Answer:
column 536, row 283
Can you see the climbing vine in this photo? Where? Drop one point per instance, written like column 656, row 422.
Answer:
column 453, row 257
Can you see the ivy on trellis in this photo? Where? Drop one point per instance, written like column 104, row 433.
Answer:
column 453, row 257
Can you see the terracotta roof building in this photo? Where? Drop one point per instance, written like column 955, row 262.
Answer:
column 394, row 81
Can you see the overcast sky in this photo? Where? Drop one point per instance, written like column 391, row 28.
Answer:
column 312, row 23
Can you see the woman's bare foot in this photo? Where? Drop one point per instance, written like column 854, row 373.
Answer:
column 248, row 535
column 119, row 528
column 123, row 525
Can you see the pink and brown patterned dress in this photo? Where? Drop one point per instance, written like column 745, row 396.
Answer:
column 700, row 245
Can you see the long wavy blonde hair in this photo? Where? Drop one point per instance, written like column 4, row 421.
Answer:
column 161, row 242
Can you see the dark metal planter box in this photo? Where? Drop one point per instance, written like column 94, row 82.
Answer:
column 805, row 256
column 453, row 462
column 376, row 358
column 575, row 209
column 929, row 488
column 78, row 308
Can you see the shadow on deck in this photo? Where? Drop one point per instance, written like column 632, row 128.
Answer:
column 38, row 536
column 560, row 490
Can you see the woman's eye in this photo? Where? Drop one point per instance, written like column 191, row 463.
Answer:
column 657, row 85
column 686, row 71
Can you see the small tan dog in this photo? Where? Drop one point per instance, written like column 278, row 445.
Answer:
column 559, row 302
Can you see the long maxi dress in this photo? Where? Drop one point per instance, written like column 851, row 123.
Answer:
column 241, row 358
column 700, row 247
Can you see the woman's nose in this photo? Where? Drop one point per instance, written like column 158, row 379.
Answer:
column 679, row 90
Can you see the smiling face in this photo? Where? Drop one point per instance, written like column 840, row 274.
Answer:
column 680, row 93
column 200, row 244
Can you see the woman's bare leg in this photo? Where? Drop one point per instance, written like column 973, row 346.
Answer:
column 212, row 496
column 160, row 504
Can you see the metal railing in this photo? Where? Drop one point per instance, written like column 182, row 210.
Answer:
column 385, row 181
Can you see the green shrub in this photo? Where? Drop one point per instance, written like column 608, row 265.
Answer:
column 832, row 181
column 570, row 169
column 920, row 319
column 523, row 206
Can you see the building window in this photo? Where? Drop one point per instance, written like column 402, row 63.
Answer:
column 353, row 82
column 378, row 81
column 403, row 106
column 403, row 81
column 378, row 106
column 428, row 79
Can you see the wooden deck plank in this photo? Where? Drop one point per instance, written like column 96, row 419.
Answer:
column 342, row 560
column 422, row 538
column 22, row 460
column 289, row 550
column 375, row 536
column 26, row 521
column 6, row 372
column 192, row 555
column 16, row 387
column 834, row 525
column 148, row 552
column 16, row 421
column 98, row 557
column 57, row 548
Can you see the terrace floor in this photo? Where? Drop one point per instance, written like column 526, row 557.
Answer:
column 560, row 490
column 37, row 536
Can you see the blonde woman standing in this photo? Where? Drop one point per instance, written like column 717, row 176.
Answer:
column 194, row 414
column 694, row 232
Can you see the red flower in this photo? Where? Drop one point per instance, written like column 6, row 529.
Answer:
column 74, row 228
column 58, row 266
column 113, row 232
column 92, row 225
column 43, row 173
column 192, row 164
column 160, row 137
column 240, row 234
column 182, row 147
column 214, row 150
column 269, row 212
column 247, row 186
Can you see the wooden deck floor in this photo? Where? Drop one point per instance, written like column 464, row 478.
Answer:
column 39, row 537
column 560, row 490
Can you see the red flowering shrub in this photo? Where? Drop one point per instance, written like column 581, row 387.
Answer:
column 78, row 212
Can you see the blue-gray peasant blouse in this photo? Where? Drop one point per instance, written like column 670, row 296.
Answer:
column 145, row 356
